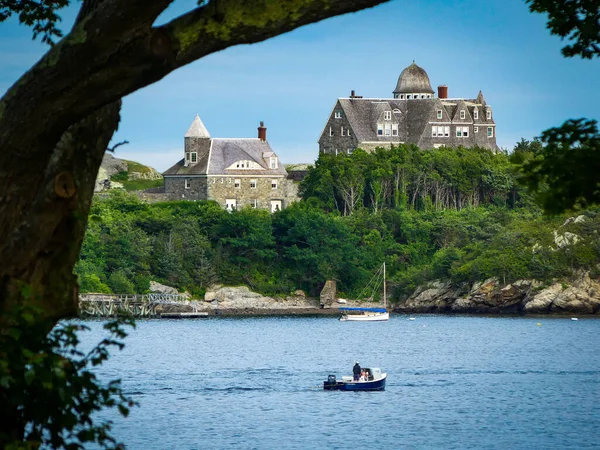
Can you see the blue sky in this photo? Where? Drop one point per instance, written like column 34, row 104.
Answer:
column 291, row 82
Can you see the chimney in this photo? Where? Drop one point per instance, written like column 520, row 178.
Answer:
column 443, row 91
column 262, row 131
column 352, row 93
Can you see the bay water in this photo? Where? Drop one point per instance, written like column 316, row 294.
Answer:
column 453, row 383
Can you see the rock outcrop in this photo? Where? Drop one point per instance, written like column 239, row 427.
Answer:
column 328, row 294
column 241, row 298
column 581, row 295
column 110, row 166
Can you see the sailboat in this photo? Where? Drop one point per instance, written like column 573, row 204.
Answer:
column 369, row 314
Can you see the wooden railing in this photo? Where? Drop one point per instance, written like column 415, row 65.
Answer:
column 107, row 305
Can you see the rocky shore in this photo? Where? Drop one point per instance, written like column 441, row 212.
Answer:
column 241, row 301
column 579, row 295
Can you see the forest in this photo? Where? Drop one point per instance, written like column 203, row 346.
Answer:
column 452, row 214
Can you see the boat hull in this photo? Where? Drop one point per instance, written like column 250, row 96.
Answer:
column 375, row 385
column 375, row 317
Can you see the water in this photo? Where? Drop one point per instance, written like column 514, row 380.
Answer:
column 453, row 383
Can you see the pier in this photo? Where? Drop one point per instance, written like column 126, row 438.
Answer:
column 135, row 305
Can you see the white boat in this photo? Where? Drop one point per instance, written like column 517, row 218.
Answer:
column 369, row 314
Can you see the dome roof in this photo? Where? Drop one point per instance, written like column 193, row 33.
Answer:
column 413, row 80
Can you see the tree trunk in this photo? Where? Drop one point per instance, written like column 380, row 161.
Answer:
column 39, row 255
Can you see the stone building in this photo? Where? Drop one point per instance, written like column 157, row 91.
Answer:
column 233, row 172
column 413, row 116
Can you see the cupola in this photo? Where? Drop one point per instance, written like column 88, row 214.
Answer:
column 413, row 83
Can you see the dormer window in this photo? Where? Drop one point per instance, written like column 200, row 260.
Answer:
column 379, row 129
column 273, row 162
column 462, row 114
column 394, row 129
column 401, row 96
column 488, row 114
column 396, row 111
column 388, row 129
column 338, row 114
column 475, row 114
column 387, row 115
column 195, row 156
column 439, row 113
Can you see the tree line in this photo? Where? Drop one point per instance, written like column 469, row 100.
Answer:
column 448, row 214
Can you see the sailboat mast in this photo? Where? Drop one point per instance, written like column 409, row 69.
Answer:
column 384, row 293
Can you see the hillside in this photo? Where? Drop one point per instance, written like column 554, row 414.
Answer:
column 118, row 173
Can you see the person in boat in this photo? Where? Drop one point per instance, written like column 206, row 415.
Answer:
column 363, row 376
column 356, row 371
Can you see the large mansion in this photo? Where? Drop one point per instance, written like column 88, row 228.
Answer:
column 413, row 116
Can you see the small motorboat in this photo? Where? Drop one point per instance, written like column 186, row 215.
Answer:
column 375, row 381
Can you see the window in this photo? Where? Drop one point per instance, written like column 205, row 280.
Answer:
column 475, row 129
column 394, row 129
column 237, row 183
column 475, row 114
column 230, row 204
column 422, row 95
column 440, row 131
column 338, row 115
column 428, row 95
column 348, row 132
column 349, row 151
column 379, row 129
column 387, row 115
column 462, row 114
column 252, row 184
column 187, row 183
column 273, row 162
column 388, row 129
column 490, row 131
column 462, row 131
column 330, row 131
column 488, row 114
column 439, row 113
column 434, row 132
column 447, row 131
column 273, row 184
column 275, row 205
column 342, row 131
column 194, row 157
column 396, row 111
column 254, row 203
column 402, row 97
column 187, row 156
column 408, row 96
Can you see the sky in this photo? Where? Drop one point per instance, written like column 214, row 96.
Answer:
column 291, row 82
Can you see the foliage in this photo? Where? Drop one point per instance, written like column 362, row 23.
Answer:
column 407, row 177
column 566, row 172
column 574, row 20
column 136, row 185
column 48, row 387
column 41, row 15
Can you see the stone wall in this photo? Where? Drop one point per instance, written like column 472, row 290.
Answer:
column 175, row 187
column 222, row 188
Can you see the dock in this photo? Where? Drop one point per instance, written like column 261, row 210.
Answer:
column 184, row 315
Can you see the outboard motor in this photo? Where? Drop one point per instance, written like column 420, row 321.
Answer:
column 331, row 383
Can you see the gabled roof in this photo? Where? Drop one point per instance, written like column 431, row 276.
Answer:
column 224, row 153
column 197, row 129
